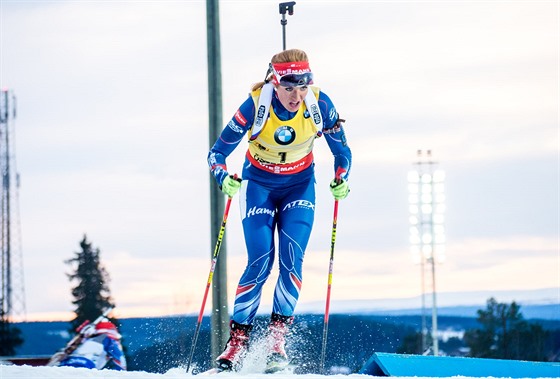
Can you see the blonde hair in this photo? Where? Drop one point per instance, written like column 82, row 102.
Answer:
column 292, row 55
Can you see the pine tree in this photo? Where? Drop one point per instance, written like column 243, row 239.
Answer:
column 412, row 343
column 10, row 337
column 91, row 293
column 505, row 334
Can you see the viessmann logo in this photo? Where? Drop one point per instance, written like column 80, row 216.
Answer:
column 293, row 71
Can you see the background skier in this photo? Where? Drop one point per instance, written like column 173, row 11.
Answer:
column 100, row 349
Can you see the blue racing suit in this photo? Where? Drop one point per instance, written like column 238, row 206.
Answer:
column 277, row 194
column 97, row 352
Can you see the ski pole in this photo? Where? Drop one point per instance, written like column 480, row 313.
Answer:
column 285, row 7
column 329, row 283
column 209, row 282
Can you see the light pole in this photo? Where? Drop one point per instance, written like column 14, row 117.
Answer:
column 426, row 200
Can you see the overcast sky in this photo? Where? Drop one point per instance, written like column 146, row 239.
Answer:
column 112, row 138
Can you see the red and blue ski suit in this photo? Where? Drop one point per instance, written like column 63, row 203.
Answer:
column 277, row 193
column 99, row 351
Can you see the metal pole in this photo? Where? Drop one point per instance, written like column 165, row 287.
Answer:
column 8, row 189
column 434, row 309
column 285, row 7
column 220, row 314
column 4, row 295
column 6, row 211
column 424, row 329
column 435, row 343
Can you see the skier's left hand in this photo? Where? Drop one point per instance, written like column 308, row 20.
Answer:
column 339, row 188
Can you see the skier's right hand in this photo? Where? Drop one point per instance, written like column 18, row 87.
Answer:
column 231, row 185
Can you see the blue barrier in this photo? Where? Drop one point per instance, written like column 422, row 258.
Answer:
column 384, row 364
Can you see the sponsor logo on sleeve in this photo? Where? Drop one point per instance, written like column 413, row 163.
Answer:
column 233, row 126
column 240, row 119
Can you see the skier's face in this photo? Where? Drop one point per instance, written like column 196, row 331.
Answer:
column 291, row 97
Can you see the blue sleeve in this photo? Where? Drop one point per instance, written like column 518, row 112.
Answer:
column 336, row 139
column 115, row 353
column 230, row 137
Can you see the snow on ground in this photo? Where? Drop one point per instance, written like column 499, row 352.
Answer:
column 28, row 372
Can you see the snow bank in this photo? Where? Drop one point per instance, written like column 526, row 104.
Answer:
column 28, row 372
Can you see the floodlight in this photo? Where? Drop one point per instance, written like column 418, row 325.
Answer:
column 426, row 198
column 413, row 177
column 427, row 209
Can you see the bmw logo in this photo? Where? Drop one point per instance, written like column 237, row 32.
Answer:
column 285, row 135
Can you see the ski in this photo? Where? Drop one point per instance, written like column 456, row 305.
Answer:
column 212, row 371
column 290, row 369
column 278, row 367
column 272, row 368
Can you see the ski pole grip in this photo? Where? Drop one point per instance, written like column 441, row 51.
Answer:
column 338, row 175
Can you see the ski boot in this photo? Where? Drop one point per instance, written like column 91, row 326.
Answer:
column 236, row 347
column 277, row 359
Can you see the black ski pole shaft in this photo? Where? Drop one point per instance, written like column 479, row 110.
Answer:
column 209, row 281
column 329, row 285
column 285, row 7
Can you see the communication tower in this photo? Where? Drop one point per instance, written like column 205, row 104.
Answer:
column 12, row 297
